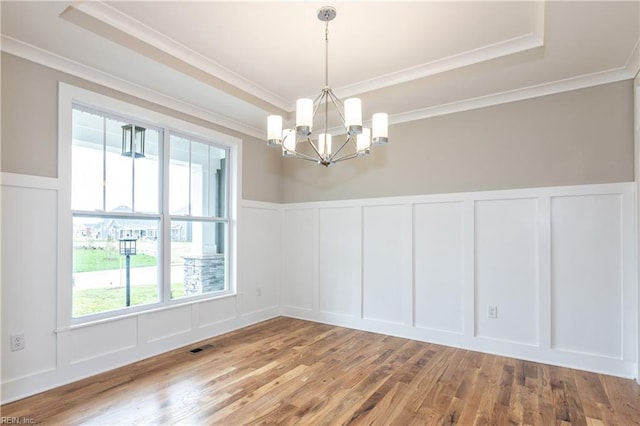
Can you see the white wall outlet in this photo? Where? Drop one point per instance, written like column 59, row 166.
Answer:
column 492, row 311
column 259, row 291
column 17, row 342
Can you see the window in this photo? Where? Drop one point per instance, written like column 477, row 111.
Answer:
column 197, row 182
column 150, row 212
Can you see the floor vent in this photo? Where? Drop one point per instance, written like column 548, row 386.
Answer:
column 201, row 348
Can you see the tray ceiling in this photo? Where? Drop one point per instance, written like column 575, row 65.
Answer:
column 238, row 61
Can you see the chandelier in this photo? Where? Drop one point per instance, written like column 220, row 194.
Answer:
column 358, row 140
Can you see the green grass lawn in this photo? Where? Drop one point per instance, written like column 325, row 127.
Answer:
column 87, row 260
column 95, row 300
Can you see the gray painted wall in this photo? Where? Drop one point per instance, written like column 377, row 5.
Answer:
column 30, row 128
column 579, row 137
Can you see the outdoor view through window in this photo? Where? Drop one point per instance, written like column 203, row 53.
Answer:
column 146, row 229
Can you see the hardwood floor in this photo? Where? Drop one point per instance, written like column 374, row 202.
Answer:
column 288, row 371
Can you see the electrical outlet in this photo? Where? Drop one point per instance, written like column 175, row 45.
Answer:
column 17, row 342
column 492, row 311
column 259, row 291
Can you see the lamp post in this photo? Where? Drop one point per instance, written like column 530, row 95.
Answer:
column 128, row 248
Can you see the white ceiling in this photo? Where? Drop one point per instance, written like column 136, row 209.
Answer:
column 235, row 62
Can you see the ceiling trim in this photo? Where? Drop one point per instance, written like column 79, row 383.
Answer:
column 43, row 57
column 66, row 65
column 581, row 82
column 633, row 61
column 134, row 28
column 471, row 57
column 522, row 43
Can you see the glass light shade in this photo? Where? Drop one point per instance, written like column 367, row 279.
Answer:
column 288, row 142
column 274, row 130
column 353, row 116
column 380, row 128
column 324, row 144
column 363, row 142
column 304, row 116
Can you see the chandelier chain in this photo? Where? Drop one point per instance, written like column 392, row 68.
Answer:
column 326, row 54
column 326, row 74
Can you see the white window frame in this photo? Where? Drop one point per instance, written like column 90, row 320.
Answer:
column 69, row 95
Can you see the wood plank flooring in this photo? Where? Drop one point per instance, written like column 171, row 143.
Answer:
column 288, row 371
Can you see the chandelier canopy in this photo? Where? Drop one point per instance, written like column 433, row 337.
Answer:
column 358, row 140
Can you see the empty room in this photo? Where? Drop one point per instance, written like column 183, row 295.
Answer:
column 301, row 212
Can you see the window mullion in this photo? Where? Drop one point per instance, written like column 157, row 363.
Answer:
column 166, row 219
column 190, row 175
column 104, row 163
column 133, row 178
column 226, row 186
column 199, row 218
column 209, row 190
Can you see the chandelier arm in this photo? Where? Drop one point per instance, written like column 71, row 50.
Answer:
column 340, row 149
column 345, row 157
column 335, row 98
column 318, row 100
column 316, row 104
column 307, row 158
column 338, row 104
column 315, row 148
column 302, row 156
column 355, row 143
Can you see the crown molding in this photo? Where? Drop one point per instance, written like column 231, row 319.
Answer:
column 471, row 57
column 633, row 61
column 134, row 28
column 40, row 56
column 575, row 83
column 522, row 43
column 66, row 65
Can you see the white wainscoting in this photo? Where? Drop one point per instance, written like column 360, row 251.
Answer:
column 300, row 259
column 587, row 275
column 100, row 339
column 438, row 259
column 384, row 280
column 340, row 260
column 558, row 263
column 28, row 278
column 506, row 269
column 259, row 257
column 53, row 357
